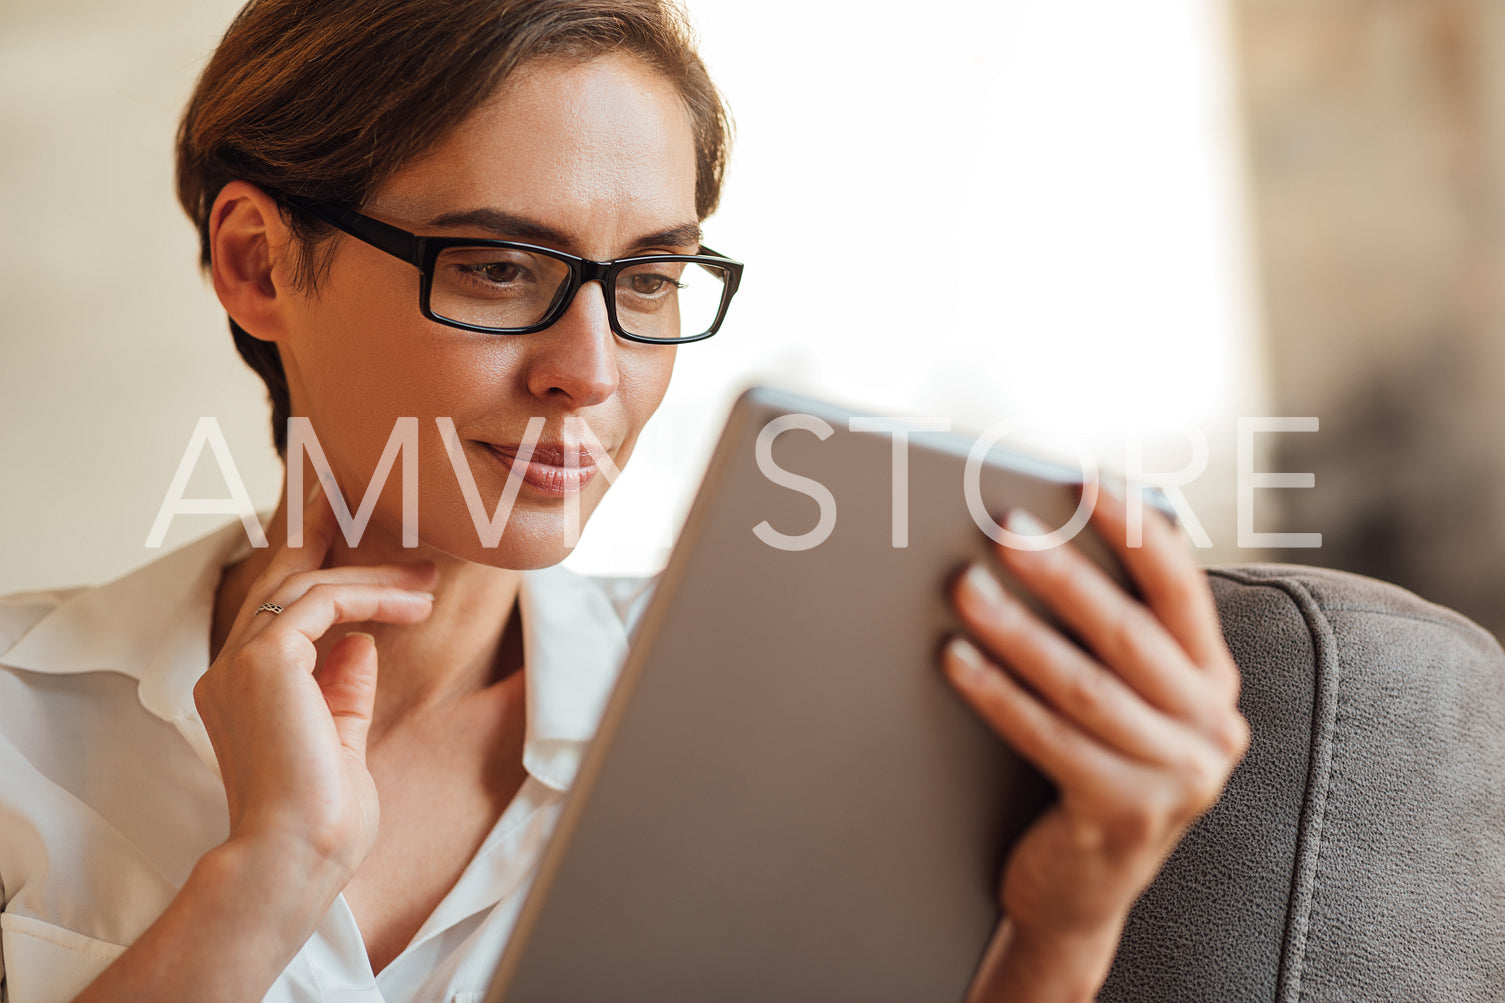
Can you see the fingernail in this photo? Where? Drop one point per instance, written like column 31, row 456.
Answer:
column 965, row 653
column 427, row 595
column 362, row 633
column 1022, row 523
column 981, row 581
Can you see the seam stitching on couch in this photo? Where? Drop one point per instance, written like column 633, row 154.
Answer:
column 1446, row 618
column 1396, row 615
column 1310, row 828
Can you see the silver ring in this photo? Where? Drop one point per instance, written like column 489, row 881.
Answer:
column 268, row 607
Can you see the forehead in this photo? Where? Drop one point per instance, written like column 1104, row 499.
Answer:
column 593, row 149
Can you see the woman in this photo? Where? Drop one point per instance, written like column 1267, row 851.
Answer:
column 393, row 727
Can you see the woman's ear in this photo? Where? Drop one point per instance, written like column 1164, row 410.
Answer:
column 248, row 243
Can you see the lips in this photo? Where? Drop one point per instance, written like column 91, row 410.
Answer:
column 556, row 470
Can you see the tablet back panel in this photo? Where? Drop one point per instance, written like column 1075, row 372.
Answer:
column 785, row 800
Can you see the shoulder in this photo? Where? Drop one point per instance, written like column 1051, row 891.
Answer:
column 22, row 611
column 96, row 750
column 89, row 676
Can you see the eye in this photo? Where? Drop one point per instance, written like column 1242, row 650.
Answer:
column 493, row 272
column 651, row 283
column 499, row 272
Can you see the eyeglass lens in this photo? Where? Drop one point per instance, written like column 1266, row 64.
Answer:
column 508, row 288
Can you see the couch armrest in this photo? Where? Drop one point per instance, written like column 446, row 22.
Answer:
column 1358, row 852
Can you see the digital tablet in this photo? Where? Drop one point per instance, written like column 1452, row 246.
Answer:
column 785, row 800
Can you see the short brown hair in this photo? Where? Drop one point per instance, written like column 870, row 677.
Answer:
column 326, row 100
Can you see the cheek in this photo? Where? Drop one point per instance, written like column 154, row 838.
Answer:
column 375, row 353
column 646, row 370
column 358, row 333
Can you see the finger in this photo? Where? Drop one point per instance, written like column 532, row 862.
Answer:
column 348, row 681
column 1074, row 684
column 418, row 576
column 318, row 535
column 1121, row 631
column 1168, row 578
column 311, row 615
column 319, row 527
column 1086, row 772
column 1070, row 758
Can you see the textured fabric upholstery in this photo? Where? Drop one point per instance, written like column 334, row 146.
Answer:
column 1358, row 853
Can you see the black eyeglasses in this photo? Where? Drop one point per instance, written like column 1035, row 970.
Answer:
column 504, row 287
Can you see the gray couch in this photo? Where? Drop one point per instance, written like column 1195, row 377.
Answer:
column 1358, row 852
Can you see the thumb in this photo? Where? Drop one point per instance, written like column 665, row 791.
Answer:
column 348, row 681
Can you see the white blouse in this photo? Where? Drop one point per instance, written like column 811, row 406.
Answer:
column 110, row 793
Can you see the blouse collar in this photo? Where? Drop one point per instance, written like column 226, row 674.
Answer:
column 153, row 625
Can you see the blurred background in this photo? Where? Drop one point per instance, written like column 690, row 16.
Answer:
column 1124, row 226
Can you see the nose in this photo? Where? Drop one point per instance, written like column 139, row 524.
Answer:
column 576, row 356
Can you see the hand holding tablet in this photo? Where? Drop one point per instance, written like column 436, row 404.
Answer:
column 1137, row 726
column 786, row 800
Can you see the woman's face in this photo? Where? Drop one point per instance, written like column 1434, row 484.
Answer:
column 596, row 159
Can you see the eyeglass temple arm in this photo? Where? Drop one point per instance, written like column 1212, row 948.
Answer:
column 383, row 236
column 733, row 275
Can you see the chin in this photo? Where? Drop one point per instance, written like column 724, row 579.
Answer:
column 531, row 540
column 529, row 557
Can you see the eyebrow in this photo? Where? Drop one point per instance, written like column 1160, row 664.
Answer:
column 509, row 226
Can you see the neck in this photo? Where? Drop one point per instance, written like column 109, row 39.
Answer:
column 470, row 642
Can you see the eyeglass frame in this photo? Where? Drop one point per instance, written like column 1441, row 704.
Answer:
column 423, row 251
